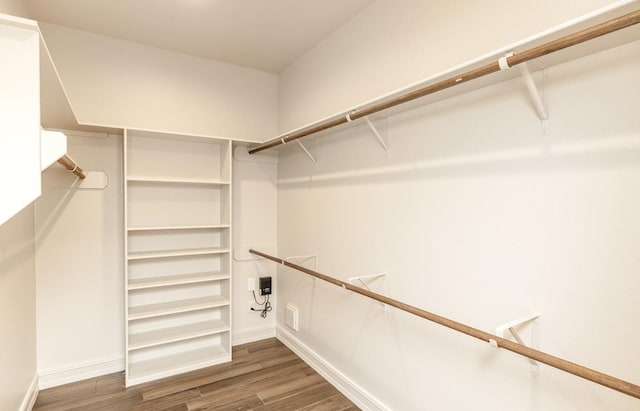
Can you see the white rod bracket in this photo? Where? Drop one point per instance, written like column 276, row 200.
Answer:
column 371, row 277
column 307, row 152
column 536, row 97
column 300, row 259
column 502, row 61
column 375, row 132
column 511, row 327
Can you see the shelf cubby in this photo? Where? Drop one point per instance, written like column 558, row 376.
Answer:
column 178, row 157
column 176, row 306
column 149, row 332
column 172, row 280
column 165, row 360
column 177, row 204
column 158, row 301
column 173, row 241
column 164, row 269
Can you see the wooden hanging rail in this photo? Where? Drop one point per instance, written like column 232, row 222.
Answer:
column 559, row 363
column 72, row 166
column 579, row 37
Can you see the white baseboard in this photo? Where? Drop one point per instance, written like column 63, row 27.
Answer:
column 30, row 396
column 358, row 395
column 253, row 334
column 77, row 372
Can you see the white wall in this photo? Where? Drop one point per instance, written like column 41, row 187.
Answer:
column 392, row 44
column 254, row 224
column 479, row 216
column 117, row 83
column 17, row 310
column 15, row 8
column 80, row 274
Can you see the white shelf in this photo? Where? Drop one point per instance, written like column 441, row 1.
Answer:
column 175, row 307
column 181, row 279
column 145, row 255
column 174, row 334
column 160, row 180
column 148, row 370
column 179, row 227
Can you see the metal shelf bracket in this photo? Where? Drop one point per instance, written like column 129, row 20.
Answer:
column 307, row 152
column 536, row 96
column 511, row 326
column 368, row 278
column 299, row 259
column 377, row 134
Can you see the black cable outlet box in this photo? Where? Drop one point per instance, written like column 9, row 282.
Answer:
column 264, row 285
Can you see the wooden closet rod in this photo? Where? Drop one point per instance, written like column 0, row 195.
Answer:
column 72, row 166
column 564, row 365
column 581, row 36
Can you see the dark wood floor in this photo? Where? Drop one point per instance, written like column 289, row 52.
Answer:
column 263, row 375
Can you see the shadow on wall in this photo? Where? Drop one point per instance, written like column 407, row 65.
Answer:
column 16, row 244
column 611, row 153
column 494, row 130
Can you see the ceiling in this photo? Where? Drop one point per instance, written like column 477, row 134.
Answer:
column 265, row 35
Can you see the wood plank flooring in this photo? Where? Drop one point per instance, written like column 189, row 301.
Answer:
column 264, row 375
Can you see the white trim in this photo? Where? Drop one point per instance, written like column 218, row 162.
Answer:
column 253, row 334
column 30, row 396
column 19, row 22
column 81, row 371
column 358, row 395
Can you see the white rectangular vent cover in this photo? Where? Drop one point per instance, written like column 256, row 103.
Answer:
column 291, row 317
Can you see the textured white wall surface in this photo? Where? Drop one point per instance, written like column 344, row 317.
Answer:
column 479, row 215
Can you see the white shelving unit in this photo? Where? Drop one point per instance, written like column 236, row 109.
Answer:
column 20, row 108
column 178, row 259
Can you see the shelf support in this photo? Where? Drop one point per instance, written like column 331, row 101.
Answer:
column 377, row 134
column 536, row 96
column 307, row 152
column 369, row 278
column 298, row 259
column 501, row 331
